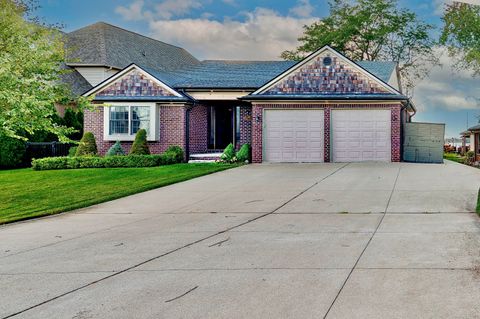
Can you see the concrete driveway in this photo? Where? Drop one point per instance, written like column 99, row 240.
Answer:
column 261, row 241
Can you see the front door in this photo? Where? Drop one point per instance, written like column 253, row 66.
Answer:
column 221, row 124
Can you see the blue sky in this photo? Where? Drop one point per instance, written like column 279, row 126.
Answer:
column 261, row 30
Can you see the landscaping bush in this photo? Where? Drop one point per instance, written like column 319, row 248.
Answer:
column 115, row 150
column 228, row 154
column 72, row 151
column 87, row 145
column 176, row 153
column 49, row 163
column 470, row 157
column 140, row 145
column 12, row 152
column 243, row 155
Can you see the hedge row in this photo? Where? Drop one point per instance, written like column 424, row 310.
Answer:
column 49, row 163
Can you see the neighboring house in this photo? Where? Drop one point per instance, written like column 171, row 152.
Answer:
column 473, row 133
column 325, row 108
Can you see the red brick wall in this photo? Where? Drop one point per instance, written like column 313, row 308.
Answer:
column 198, row 129
column 245, row 126
column 257, row 125
column 171, row 126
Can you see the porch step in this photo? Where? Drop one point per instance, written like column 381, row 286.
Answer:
column 204, row 157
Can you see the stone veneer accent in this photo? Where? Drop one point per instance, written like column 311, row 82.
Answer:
column 315, row 77
column 257, row 125
column 134, row 83
column 171, row 126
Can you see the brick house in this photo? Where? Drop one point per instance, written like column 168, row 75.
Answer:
column 325, row 108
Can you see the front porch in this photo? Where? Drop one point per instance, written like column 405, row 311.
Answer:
column 216, row 124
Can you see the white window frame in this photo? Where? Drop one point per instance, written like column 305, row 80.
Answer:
column 153, row 134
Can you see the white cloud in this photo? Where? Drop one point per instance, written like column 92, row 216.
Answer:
column 132, row 12
column 176, row 8
column 447, row 88
column 303, row 9
column 230, row 2
column 263, row 34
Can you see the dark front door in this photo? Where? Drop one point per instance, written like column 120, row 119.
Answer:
column 221, row 127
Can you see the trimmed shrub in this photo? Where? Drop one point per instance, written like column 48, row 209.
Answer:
column 243, row 155
column 176, row 152
column 49, row 163
column 12, row 152
column 87, row 145
column 72, row 151
column 115, row 150
column 229, row 155
column 140, row 145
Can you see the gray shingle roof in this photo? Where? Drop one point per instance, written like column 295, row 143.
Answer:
column 244, row 74
column 104, row 44
column 75, row 80
column 224, row 74
column 381, row 69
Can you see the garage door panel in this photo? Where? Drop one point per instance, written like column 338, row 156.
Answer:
column 361, row 135
column 303, row 141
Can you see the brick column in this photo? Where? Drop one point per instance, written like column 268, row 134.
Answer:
column 396, row 131
column 257, row 128
column 326, row 128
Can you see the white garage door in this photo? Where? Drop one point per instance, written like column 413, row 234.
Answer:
column 361, row 135
column 293, row 136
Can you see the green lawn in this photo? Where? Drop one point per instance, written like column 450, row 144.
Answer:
column 478, row 203
column 454, row 157
column 25, row 193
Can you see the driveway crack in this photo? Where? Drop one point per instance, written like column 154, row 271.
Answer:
column 364, row 249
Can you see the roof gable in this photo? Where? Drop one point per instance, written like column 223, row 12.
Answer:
column 133, row 82
column 326, row 72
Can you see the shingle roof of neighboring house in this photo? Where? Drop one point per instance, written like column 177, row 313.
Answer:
column 245, row 74
column 107, row 45
column 474, row 128
column 75, row 80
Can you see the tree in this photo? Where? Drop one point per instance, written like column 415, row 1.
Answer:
column 31, row 65
column 140, row 145
column 373, row 30
column 461, row 34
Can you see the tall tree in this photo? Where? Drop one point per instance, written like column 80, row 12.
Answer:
column 374, row 30
column 461, row 34
column 31, row 59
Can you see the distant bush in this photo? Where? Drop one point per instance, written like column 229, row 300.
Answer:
column 87, row 145
column 243, row 155
column 115, row 150
column 140, row 145
column 229, row 155
column 12, row 152
column 470, row 157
